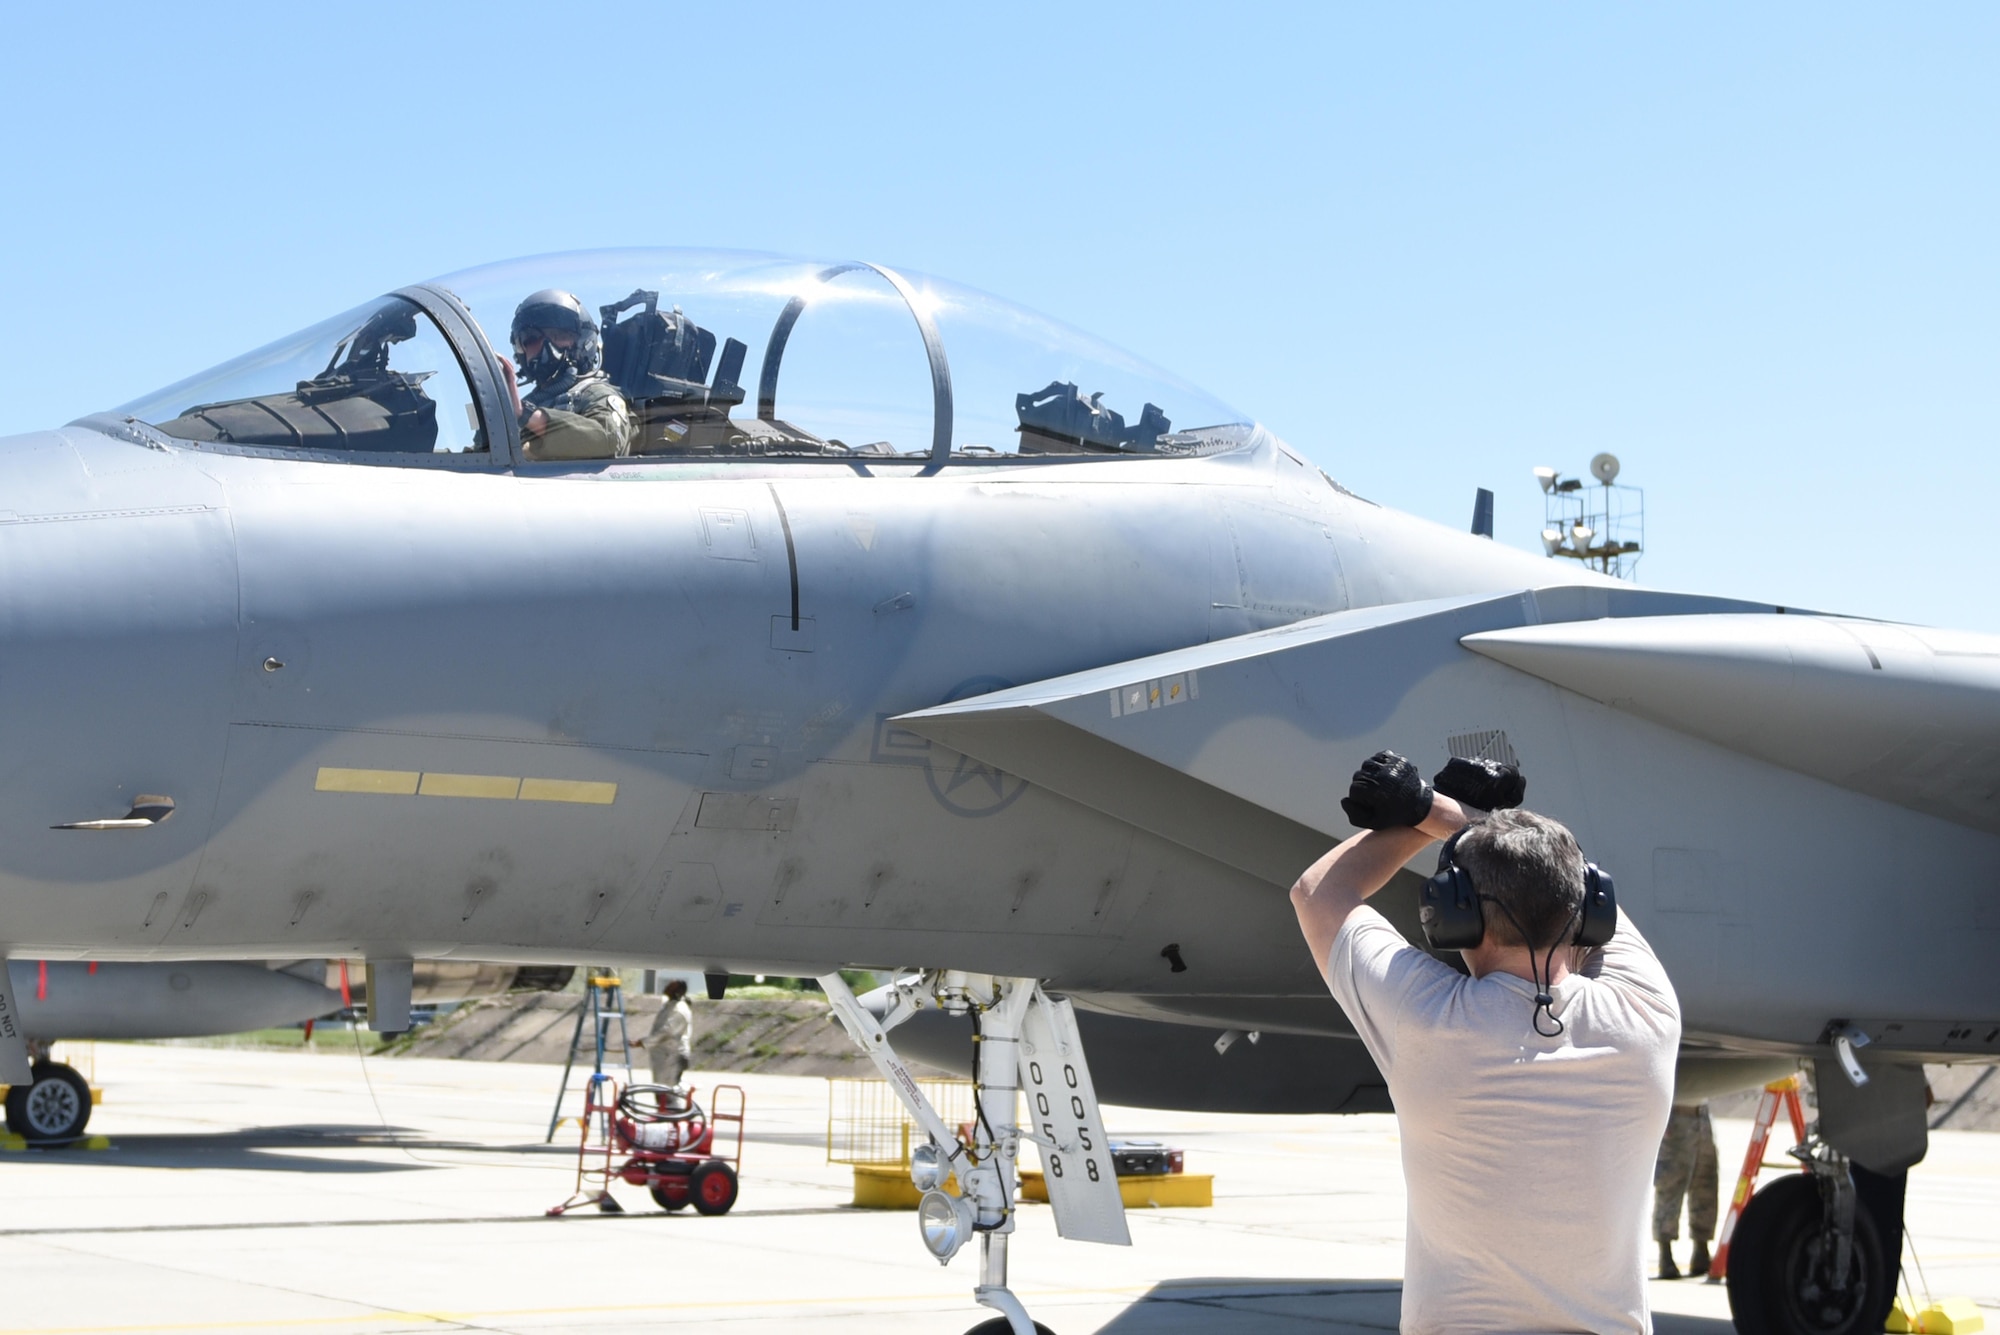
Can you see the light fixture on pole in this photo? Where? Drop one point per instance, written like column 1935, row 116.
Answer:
column 1601, row 526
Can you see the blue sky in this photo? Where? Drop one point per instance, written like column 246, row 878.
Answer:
column 1752, row 251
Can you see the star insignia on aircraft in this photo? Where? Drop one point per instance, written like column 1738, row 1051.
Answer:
column 968, row 770
column 970, row 787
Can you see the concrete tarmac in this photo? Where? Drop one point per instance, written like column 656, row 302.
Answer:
column 260, row 1191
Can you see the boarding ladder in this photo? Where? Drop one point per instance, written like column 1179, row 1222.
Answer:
column 1778, row 1092
column 603, row 1005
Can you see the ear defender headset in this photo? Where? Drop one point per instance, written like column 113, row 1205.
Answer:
column 1451, row 919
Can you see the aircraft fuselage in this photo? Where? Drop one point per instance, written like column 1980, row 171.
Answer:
column 642, row 710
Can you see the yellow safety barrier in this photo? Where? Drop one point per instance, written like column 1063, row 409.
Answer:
column 1141, row 1191
column 867, row 1126
column 887, row 1186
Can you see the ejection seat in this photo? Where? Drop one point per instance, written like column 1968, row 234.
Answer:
column 1060, row 419
column 659, row 361
column 356, row 404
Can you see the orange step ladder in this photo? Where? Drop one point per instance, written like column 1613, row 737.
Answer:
column 1784, row 1091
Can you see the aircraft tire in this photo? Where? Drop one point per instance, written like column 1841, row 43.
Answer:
column 712, row 1188
column 55, row 1107
column 1774, row 1286
column 999, row 1325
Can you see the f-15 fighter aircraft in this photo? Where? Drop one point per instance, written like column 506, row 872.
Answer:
column 952, row 640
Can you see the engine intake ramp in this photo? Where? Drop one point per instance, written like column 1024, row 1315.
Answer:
column 1240, row 749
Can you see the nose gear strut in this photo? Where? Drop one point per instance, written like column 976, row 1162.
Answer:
column 1025, row 1041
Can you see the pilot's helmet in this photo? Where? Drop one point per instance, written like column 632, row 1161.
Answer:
column 552, row 308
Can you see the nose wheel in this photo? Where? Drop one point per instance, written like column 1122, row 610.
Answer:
column 54, row 1107
column 1794, row 1270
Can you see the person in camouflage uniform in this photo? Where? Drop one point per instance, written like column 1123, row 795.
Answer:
column 1686, row 1167
column 574, row 411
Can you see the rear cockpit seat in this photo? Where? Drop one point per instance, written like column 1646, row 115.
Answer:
column 660, row 362
column 1062, row 420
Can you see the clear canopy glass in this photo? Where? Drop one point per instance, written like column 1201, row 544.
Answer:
column 378, row 379
column 734, row 355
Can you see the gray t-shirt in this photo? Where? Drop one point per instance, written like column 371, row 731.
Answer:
column 1527, row 1159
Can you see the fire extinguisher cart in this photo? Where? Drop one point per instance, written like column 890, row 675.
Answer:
column 658, row 1138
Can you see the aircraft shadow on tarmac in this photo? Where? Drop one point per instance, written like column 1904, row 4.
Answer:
column 1288, row 1306
column 263, row 1149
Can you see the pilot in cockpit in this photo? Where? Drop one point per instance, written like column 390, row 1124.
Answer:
column 574, row 411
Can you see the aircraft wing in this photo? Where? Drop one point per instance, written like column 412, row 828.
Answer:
column 1903, row 713
column 1240, row 749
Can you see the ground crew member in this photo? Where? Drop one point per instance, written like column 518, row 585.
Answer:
column 1529, row 1110
column 1686, row 1167
column 670, row 1045
column 574, row 411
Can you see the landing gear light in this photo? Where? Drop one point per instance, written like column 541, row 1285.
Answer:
column 946, row 1221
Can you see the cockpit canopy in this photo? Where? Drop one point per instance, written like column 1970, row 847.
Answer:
column 718, row 355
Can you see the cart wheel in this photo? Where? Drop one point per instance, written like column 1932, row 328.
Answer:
column 669, row 1203
column 713, row 1187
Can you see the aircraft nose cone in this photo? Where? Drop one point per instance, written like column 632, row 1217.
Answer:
column 117, row 638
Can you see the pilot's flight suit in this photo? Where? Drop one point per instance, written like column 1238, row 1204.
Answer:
column 588, row 418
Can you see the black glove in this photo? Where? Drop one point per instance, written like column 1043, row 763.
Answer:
column 1387, row 793
column 1486, row 784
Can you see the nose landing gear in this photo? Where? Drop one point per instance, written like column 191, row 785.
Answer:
column 1025, row 1041
column 1804, row 1260
column 53, row 1107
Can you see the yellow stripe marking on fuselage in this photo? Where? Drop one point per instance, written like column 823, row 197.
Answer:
column 469, row 785
column 396, row 782
column 499, row 787
column 568, row 790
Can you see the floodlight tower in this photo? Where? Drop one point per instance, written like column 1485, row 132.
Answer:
column 1604, row 526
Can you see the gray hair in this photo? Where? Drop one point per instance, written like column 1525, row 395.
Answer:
column 1531, row 867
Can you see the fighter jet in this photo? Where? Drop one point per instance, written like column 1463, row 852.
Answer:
column 968, row 646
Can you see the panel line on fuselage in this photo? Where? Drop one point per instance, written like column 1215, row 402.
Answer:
column 791, row 549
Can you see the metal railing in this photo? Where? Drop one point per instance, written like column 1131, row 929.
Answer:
column 866, row 1124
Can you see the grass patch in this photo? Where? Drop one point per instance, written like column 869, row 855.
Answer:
column 284, row 1040
column 769, row 992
